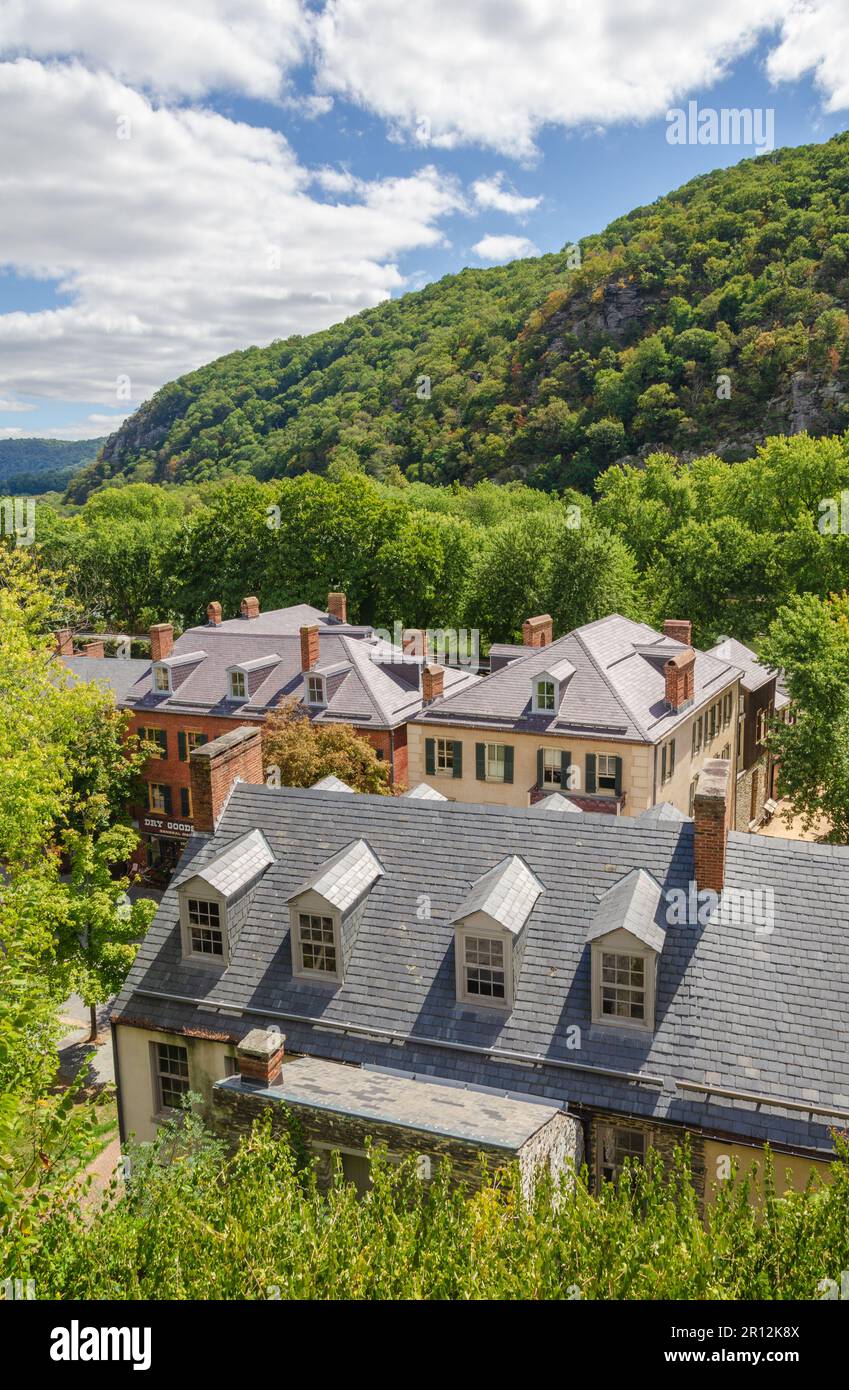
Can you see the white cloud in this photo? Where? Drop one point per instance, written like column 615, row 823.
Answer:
column 11, row 432
column 12, row 407
column 504, row 248
column 815, row 38
column 190, row 48
column 490, row 193
column 493, row 72
column 94, row 426
column 195, row 236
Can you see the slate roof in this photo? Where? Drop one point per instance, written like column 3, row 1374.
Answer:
column 238, row 865
column 113, row 673
column 345, row 877
column 754, row 673
column 758, row 1011
column 556, row 802
column 377, row 686
column 616, row 693
column 422, row 792
column 663, row 811
column 331, row 784
column 635, row 905
column 506, row 894
column 502, row 1122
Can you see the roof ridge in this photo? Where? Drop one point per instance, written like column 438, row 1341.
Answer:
column 602, row 671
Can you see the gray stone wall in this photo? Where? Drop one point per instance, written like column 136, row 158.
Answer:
column 663, row 1138
column 744, row 793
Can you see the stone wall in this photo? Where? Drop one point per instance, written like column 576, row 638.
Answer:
column 662, row 1138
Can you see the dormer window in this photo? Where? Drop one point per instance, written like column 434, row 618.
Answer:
column 317, row 943
column 489, row 934
column 238, row 685
column 484, row 968
column 326, row 911
column 626, row 939
column 315, row 690
column 545, row 695
column 205, row 931
column 215, row 897
column 162, row 679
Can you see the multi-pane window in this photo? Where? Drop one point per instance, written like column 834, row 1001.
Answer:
column 315, row 690
column 667, row 760
column 444, row 754
column 495, row 762
column 172, row 1075
column 623, row 986
column 205, row 928
column 485, row 968
column 159, row 737
column 606, row 772
column 161, row 678
column 552, row 767
column 760, row 724
column 158, row 797
column 727, row 706
column 238, row 685
column 189, row 739
column 617, row 1147
column 545, row 695
column 318, row 943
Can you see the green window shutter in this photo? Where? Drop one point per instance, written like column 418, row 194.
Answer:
column 458, row 758
column 663, row 763
column 618, row 776
column 430, row 756
column 167, row 792
column 540, row 767
column 181, row 746
column 202, row 738
column 480, row 761
column 162, row 740
column 184, row 801
column 565, row 771
column 590, row 777
column 508, row 762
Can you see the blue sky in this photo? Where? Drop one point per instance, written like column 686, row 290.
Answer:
column 182, row 190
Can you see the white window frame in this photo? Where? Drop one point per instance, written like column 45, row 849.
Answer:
column 151, row 799
column 160, row 673
column 315, row 682
column 541, row 705
column 197, row 891
column 609, row 760
column 299, row 969
column 489, row 776
column 160, row 1107
column 630, row 948
column 555, row 768
column 472, row 932
column 443, row 756
column 205, row 918
column 241, row 677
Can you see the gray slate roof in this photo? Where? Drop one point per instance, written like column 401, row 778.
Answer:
column 378, row 686
column 634, row 905
column 331, row 784
column 662, row 812
column 345, row 877
column 759, row 1012
column 499, row 1121
column 117, row 674
column 506, row 894
column 754, row 673
column 238, row 865
column 422, row 792
column 557, row 803
column 617, row 692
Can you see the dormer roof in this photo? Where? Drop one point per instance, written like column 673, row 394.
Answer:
column 422, row 792
column 331, row 784
column 506, row 894
column 344, row 878
column 236, row 866
column 631, row 905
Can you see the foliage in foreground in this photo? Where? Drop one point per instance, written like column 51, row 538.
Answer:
column 196, row 1225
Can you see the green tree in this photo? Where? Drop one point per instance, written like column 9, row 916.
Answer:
column 303, row 752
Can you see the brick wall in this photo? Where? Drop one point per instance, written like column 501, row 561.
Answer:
column 171, row 771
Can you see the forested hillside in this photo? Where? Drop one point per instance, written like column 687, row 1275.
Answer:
column 704, row 322
column 38, row 465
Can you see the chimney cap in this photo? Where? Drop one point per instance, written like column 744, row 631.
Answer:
column 261, row 1042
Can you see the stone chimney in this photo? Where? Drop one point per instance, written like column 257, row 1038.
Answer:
column 161, row 641
column 213, row 614
column 215, row 767
column 710, row 812
column 414, row 641
column 249, row 607
column 433, row 679
column 260, row 1056
column 309, row 646
column 337, row 607
column 64, row 642
column 94, row 648
column 538, row 632
column 679, row 629
column 680, row 671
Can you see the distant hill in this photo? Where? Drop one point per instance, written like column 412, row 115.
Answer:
column 43, row 465
column 705, row 321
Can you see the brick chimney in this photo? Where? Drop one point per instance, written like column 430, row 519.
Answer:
column 539, row 631
column 64, row 642
column 337, row 607
column 710, row 812
column 679, row 671
column 213, row 614
column 249, row 607
column 309, row 646
column 260, row 1056
column 216, row 766
column 679, row 629
column 161, row 641
column 94, row 648
column 414, row 641
column 433, row 679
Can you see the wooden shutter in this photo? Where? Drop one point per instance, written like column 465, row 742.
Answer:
column 168, row 805
column 618, row 766
column 480, row 761
column 162, row 740
column 202, row 738
column 184, row 802
column 430, row 756
column 458, row 758
column 565, row 768
column 540, row 766
column 590, row 778
column 508, row 762
column 181, row 747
